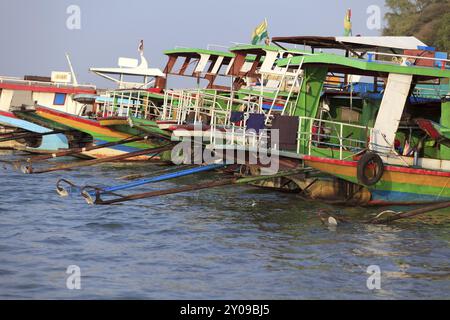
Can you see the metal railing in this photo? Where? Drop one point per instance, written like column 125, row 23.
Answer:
column 237, row 136
column 126, row 103
column 199, row 106
column 431, row 91
column 327, row 134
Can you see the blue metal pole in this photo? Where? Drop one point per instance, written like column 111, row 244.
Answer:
column 163, row 177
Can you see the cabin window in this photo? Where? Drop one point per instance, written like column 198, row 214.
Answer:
column 60, row 99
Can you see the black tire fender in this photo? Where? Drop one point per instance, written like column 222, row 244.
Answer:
column 363, row 162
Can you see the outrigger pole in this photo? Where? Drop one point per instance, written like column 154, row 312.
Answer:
column 97, row 192
column 75, row 151
column 132, row 177
column 153, row 151
column 28, row 135
column 201, row 186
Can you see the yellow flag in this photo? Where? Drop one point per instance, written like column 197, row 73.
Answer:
column 348, row 23
column 260, row 32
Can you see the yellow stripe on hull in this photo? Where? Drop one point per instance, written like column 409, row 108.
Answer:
column 84, row 126
column 388, row 176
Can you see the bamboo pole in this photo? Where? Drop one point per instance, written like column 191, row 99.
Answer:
column 81, row 150
column 157, row 193
column 29, row 169
column 278, row 175
column 155, row 173
column 200, row 186
column 29, row 135
column 162, row 134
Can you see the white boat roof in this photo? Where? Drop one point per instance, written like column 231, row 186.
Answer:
column 354, row 43
column 148, row 72
column 386, row 42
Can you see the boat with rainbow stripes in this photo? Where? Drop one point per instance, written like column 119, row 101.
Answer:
column 57, row 92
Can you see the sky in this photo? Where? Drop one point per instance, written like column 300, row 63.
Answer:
column 35, row 35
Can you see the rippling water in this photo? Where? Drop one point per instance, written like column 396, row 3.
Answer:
column 224, row 243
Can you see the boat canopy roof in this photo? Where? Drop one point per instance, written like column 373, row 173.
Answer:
column 263, row 49
column 199, row 63
column 341, row 64
column 146, row 72
column 195, row 53
column 352, row 43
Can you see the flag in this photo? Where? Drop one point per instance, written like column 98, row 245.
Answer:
column 348, row 23
column 407, row 149
column 141, row 47
column 260, row 33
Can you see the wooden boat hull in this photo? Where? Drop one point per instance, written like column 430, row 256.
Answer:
column 99, row 133
column 113, row 121
column 48, row 144
column 150, row 126
column 398, row 185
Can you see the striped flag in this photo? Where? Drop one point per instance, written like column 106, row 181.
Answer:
column 407, row 149
column 260, row 33
column 348, row 23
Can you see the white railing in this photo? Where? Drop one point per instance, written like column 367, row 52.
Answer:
column 286, row 75
column 179, row 105
column 236, row 136
column 126, row 103
column 330, row 134
column 433, row 91
column 241, row 137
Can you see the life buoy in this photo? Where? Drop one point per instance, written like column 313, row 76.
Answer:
column 367, row 159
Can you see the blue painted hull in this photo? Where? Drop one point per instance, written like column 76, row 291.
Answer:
column 121, row 147
column 49, row 143
column 404, row 197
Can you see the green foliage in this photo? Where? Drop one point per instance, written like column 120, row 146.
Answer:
column 428, row 20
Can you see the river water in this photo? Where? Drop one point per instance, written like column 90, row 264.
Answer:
column 224, row 243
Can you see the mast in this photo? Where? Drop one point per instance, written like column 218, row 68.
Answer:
column 74, row 77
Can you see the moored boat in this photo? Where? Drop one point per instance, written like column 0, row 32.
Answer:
column 85, row 120
column 370, row 141
column 56, row 91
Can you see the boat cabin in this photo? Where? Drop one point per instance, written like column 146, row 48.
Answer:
column 55, row 92
column 403, row 114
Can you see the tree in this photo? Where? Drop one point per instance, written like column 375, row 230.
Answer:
column 428, row 20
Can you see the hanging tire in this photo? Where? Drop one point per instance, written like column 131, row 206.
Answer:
column 370, row 159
